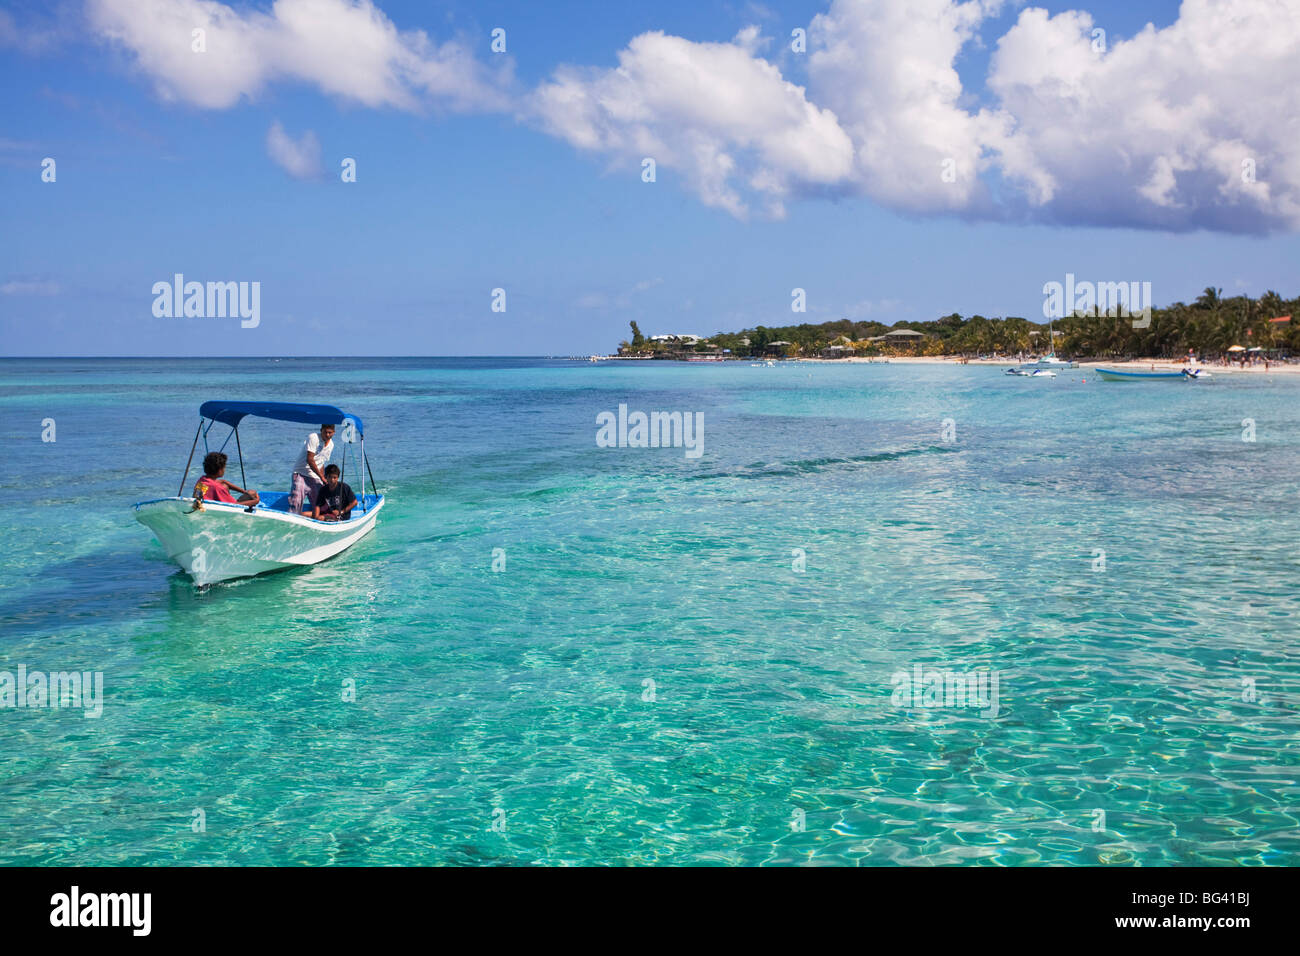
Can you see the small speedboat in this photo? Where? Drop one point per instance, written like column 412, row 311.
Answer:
column 1126, row 375
column 1029, row 372
column 220, row 541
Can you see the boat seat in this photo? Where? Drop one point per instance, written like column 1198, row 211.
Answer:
column 279, row 501
column 275, row 500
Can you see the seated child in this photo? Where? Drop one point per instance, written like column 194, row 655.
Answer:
column 335, row 500
column 215, row 488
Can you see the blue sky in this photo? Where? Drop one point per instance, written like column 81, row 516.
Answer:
column 454, row 200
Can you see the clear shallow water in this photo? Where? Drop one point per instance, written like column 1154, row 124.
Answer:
column 1120, row 690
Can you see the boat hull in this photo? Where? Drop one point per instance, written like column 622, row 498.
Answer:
column 224, row 541
column 1115, row 375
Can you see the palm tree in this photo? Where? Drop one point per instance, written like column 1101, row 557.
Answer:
column 1271, row 305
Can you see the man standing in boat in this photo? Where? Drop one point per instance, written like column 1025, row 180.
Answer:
column 308, row 477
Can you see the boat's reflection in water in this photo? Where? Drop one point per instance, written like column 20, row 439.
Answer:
column 348, row 579
column 235, row 622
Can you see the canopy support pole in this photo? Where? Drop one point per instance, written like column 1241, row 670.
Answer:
column 242, row 479
column 190, row 460
column 373, row 486
column 363, row 475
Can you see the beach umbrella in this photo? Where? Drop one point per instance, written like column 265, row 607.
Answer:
column 1255, row 349
column 1236, row 348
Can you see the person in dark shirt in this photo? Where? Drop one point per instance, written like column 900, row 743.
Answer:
column 335, row 501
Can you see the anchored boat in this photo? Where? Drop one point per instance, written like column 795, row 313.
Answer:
column 219, row 541
column 1124, row 375
column 1049, row 363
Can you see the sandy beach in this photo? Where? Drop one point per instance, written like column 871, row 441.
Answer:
column 1274, row 368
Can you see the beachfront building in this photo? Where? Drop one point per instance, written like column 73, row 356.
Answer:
column 840, row 347
column 837, row 351
column 899, row 338
column 708, row 352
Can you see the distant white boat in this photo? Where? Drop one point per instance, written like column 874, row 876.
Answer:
column 220, row 541
column 1049, row 362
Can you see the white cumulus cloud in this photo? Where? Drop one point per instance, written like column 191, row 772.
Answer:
column 886, row 70
column 1157, row 130
column 722, row 116
column 1196, row 125
column 346, row 48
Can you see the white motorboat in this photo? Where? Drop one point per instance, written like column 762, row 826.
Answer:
column 1050, row 363
column 218, row 541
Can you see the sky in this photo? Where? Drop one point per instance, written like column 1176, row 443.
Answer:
column 897, row 160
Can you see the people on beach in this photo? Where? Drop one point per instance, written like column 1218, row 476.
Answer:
column 213, row 487
column 308, row 479
column 335, row 501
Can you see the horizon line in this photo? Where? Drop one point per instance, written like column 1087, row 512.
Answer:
column 340, row 358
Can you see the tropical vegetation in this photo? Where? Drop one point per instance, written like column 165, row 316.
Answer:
column 1209, row 326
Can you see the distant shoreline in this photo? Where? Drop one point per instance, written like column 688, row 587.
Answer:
column 1158, row 364
column 1285, row 368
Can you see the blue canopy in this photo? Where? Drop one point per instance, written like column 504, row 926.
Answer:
column 232, row 413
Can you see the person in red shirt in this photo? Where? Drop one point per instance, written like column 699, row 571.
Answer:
column 213, row 487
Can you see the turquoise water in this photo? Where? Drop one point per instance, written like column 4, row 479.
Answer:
column 522, row 698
